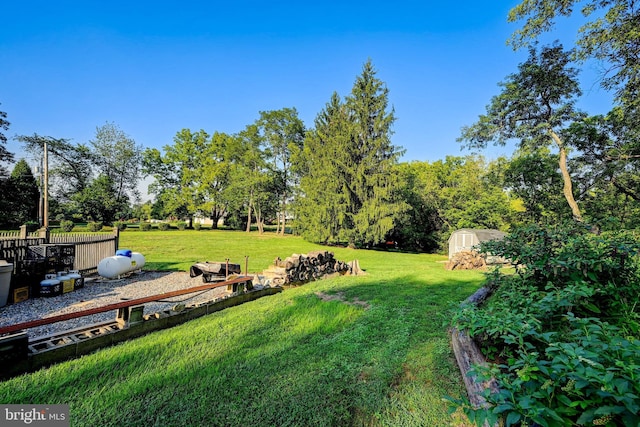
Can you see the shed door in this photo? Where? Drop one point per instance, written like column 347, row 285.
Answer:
column 464, row 242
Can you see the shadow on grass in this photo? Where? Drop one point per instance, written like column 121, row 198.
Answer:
column 164, row 266
column 290, row 359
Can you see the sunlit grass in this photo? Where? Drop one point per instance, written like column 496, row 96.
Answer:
column 289, row 359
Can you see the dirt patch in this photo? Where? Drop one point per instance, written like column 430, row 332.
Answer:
column 340, row 297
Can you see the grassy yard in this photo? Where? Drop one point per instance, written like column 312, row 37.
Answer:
column 292, row 359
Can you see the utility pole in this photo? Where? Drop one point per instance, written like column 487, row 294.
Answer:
column 39, row 172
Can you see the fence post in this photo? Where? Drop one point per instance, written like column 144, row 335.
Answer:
column 23, row 231
column 45, row 233
column 116, row 240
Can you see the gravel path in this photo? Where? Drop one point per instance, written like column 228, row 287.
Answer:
column 99, row 292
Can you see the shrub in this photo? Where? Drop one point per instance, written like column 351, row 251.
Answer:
column 164, row 226
column 145, row 226
column 32, row 225
column 66, row 226
column 561, row 332
column 120, row 225
column 197, row 226
column 94, row 226
column 181, row 225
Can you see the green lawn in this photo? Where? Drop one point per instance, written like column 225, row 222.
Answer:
column 287, row 360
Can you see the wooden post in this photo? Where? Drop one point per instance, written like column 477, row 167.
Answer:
column 45, row 234
column 116, row 233
column 23, row 231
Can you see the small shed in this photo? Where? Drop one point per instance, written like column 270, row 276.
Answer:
column 466, row 238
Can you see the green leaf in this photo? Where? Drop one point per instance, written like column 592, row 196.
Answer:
column 512, row 418
column 592, row 307
column 565, row 400
column 502, row 408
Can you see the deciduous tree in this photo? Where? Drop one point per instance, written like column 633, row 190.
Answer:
column 176, row 173
column 117, row 156
column 70, row 165
column 533, row 178
column 283, row 135
column 215, row 174
column 97, row 201
column 609, row 34
column 254, row 184
column 535, row 106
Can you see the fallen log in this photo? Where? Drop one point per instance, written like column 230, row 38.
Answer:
column 468, row 354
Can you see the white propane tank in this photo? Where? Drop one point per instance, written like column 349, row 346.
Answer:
column 114, row 266
column 138, row 259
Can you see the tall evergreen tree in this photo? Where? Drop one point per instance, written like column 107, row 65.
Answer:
column 5, row 156
column 323, row 208
column 350, row 188
column 24, row 194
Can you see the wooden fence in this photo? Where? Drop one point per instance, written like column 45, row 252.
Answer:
column 90, row 248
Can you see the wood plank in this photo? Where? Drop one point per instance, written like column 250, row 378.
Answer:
column 116, row 306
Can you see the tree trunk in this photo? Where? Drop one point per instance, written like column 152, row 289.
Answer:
column 284, row 212
column 249, row 213
column 259, row 220
column 277, row 223
column 215, row 218
column 566, row 178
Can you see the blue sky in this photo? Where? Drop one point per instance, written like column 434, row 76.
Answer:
column 154, row 68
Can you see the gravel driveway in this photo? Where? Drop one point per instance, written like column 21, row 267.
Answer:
column 99, row 292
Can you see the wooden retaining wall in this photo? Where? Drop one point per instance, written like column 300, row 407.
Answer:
column 19, row 355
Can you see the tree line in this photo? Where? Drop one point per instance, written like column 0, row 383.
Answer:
column 342, row 181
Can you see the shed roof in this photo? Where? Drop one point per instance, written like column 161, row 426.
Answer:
column 483, row 235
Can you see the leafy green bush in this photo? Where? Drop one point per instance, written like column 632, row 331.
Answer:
column 66, row 225
column 145, row 226
column 562, row 333
column 163, row 226
column 32, row 225
column 181, row 225
column 94, row 226
column 197, row 226
column 120, row 225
